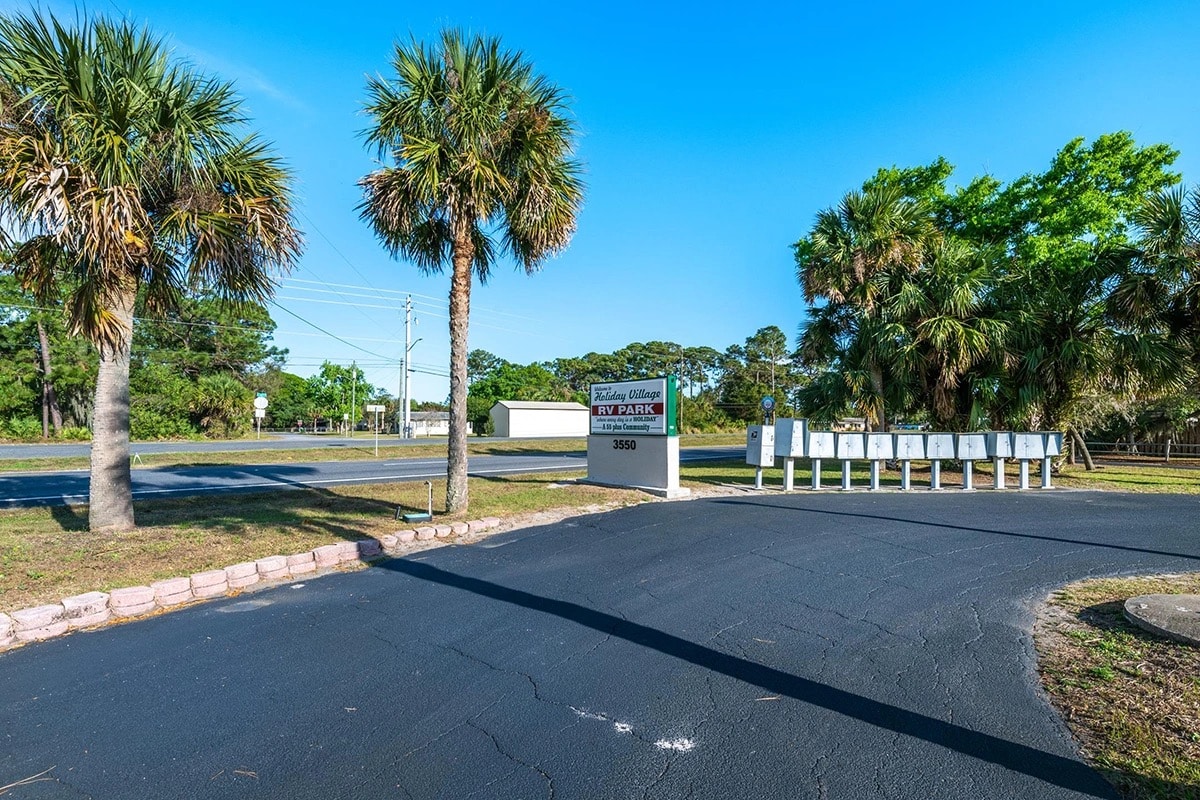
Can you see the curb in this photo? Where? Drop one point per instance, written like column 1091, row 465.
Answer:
column 97, row 609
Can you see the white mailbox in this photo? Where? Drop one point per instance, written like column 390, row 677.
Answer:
column 972, row 446
column 1029, row 446
column 1054, row 444
column 939, row 445
column 851, row 445
column 822, row 444
column 909, row 446
column 999, row 444
column 760, row 445
column 791, row 438
column 880, row 446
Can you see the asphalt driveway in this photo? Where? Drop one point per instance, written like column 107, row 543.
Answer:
column 810, row 646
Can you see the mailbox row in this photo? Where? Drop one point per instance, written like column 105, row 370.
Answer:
column 790, row 439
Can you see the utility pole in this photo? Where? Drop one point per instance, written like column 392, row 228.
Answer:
column 405, row 369
column 353, row 399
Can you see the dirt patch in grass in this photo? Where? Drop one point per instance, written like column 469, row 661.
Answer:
column 47, row 553
column 1132, row 699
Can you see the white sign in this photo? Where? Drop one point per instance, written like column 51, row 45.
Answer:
column 634, row 408
column 375, row 409
column 260, row 402
column 260, row 413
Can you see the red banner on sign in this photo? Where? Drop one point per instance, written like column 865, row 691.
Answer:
column 629, row 409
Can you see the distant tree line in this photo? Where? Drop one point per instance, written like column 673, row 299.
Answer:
column 194, row 372
column 719, row 390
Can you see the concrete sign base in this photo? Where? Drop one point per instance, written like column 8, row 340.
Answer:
column 648, row 463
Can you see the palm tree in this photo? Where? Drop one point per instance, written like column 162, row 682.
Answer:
column 481, row 147
column 134, row 167
column 1161, row 290
column 853, row 258
column 952, row 334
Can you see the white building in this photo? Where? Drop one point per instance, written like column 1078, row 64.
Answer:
column 520, row 419
column 430, row 423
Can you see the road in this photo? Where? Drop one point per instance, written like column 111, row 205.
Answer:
column 840, row 645
column 19, row 490
column 280, row 441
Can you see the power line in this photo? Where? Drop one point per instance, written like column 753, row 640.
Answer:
column 439, row 302
column 477, row 323
column 322, row 330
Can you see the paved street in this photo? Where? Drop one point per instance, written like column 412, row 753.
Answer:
column 69, row 487
column 276, row 441
column 806, row 646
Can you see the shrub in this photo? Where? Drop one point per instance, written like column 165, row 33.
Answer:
column 148, row 423
column 22, row 428
column 75, row 434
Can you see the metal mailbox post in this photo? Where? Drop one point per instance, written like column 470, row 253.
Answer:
column 821, row 444
column 880, row 447
column 791, row 442
column 760, row 449
column 937, row 447
column 1053, row 447
column 972, row 447
column 1027, row 447
column 908, row 446
column 850, row 446
column 1000, row 447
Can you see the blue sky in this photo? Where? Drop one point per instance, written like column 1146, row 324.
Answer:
column 711, row 136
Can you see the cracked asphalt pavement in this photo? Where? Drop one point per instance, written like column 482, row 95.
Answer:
column 805, row 646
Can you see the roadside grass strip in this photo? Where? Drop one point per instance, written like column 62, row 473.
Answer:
column 47, row 553
column 1131, row 698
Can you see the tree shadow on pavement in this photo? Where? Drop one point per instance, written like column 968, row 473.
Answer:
column 1053, row 769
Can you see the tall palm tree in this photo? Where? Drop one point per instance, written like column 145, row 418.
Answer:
column 853, row 257
column 136, row 168
column 482, row 148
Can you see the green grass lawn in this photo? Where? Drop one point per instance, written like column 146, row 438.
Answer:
column 47, row 554
column 1130, row 697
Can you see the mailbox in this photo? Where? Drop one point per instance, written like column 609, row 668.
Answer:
column 851, row 445
column 880, row 446
column 1054, row 443
column 760, row 445
column 909, row 446
column 972, row 446
column 939, row 445
column 822, row 444
column 1029, row 446
column 791, row 438
column 999, row 445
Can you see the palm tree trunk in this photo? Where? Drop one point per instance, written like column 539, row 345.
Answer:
column 50, row 407
column 460, row 312
column 877, row 420
column 110, row 506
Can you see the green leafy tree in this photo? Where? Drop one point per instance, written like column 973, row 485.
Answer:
column 1066, row 233
column 134, row 170
column 480, row 363
column 287, row 396
column 339, row 392
column 513, row 382
column 204, row 334
column 481, row 147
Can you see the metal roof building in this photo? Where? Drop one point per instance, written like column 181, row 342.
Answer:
column 525, row 419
